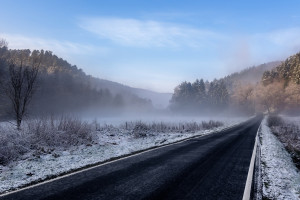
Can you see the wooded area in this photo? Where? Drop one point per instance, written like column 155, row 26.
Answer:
column 58, row 87
column 277, row 91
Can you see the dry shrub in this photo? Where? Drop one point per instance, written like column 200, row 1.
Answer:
column 64, row 132
column 288, row 134
column 13, row 144
column 211, row 124
column 43, row 136
column 275, row 120
column 140, row 129
column 11, row 147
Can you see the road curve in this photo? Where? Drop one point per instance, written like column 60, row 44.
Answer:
column 209, row 167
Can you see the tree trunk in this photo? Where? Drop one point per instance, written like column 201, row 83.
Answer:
column 19, row 121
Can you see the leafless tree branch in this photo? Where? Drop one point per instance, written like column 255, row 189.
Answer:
column 21, row 84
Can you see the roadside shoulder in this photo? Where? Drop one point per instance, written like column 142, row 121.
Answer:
column 280, row 178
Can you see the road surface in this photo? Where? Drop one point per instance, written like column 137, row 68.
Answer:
column 209, row 167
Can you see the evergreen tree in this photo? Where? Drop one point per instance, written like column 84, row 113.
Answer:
column 183, row 97
column 222, row 95
column 199, row 92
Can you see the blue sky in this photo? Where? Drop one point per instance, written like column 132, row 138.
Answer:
column 155, row 44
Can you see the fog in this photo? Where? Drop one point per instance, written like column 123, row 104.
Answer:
column 64, row 89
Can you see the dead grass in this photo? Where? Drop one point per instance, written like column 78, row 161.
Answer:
column 288, row 134
column 44, row 136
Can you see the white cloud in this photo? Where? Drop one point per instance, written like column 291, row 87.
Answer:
column 284, row 38
column 146, row 33
column 215, row 54
column 248, row 50
column 274, row 45
column 58, row 47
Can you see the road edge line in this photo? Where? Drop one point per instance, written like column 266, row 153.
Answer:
column 248, row 186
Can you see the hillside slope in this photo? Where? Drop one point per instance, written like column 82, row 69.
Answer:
column 63, row 87
column 251, row 75
column 216, row 96
column 288, row 71
column 159, row 100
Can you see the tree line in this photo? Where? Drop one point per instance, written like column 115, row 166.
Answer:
column 278, row 91
column 200, row 96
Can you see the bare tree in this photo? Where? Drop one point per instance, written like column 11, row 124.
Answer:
column 20, row 87
column 3, row 43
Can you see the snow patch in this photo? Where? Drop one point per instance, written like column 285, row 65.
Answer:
column 280, row 177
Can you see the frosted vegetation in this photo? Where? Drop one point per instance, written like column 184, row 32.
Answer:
column 43, row 136
column 288, row 132
column 280, row 177
column 50, row 147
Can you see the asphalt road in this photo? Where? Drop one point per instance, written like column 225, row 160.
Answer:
column 210, row 167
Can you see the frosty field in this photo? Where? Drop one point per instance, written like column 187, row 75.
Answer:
column 106, row 142
column 280, row 177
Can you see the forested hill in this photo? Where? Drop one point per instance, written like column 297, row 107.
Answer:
column 63, row 87
column 209, row 97
column 159, row 100
column 287, row 72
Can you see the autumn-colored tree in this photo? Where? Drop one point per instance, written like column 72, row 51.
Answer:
column 243, row 98
column 271, row 97
column 292, row 92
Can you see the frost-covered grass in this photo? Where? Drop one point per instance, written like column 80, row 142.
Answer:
column 43, row 136
column 48, row 147
column 280, row 177
column 288, row 132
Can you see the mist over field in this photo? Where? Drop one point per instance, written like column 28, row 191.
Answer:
column 59, row 88
column 181, row 99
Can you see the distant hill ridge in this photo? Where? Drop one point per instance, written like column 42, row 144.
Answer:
column 159, row 100
column 64, row 87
